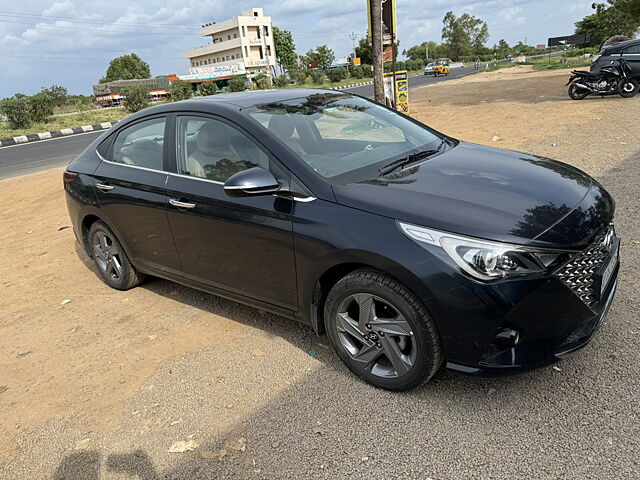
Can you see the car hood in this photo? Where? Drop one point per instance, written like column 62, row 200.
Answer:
column 490, row 193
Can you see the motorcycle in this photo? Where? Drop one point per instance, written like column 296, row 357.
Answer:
column 609, row 80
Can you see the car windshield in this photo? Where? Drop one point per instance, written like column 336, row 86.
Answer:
column 342, row 137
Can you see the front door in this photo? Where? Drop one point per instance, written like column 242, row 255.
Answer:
column 243, row 245
column 130, row 187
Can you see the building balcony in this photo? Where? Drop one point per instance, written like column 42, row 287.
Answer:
column 213, row 48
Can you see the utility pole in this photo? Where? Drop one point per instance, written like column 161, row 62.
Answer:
column 426, row 59
column 353, row 43
column 376, row 47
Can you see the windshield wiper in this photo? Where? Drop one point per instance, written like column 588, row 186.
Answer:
column 409, row 159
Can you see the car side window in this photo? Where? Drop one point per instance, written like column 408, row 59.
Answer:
column 634, row 49
column 141, row 144
column 211, row 149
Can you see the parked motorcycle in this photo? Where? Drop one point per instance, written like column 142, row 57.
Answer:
column 609, row 80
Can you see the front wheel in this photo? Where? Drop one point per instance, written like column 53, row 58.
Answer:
column 628, row 88
column 576, row 92
column 382, row 331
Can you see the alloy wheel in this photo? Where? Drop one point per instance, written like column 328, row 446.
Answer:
column 108, row 256
column 376, row 336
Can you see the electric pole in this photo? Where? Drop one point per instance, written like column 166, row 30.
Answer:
column 426, row 46
column 376, row 47
column 353, row 44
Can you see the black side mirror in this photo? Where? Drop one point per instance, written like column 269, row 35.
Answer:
column 254, row 181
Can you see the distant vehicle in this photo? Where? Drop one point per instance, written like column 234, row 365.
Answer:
column 439, row 67
column 411, row 249
column 628, row 50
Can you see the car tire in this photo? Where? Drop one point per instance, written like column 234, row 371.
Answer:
column 382, row 331
column 110, row 259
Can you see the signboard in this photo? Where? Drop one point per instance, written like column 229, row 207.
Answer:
column 569, row 40
column 541, row 46
column 356, row 61
column 211, row 71
column 388, row 21
column 396, row 91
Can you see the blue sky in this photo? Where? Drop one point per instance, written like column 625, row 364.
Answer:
column 70, row 42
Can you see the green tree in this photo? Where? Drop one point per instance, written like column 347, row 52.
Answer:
column 126, row 67
column 180, row 90
column 58, row 95
column 503, row 49
column 207, row 88
column 464, row 35
column 322, row 55
column 41, row 107
column 136, row 97
column 285, row 49
column 616, row 17
column 363, row 51
column 17, row 112
column 419, row 52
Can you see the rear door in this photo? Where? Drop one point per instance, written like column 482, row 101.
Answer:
column 632, row 55
column 130, row 184
column 242, row 245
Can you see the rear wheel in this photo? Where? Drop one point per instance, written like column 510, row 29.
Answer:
column 576, row 92
column 628, row 88
column 111, row 260
column 382, row 331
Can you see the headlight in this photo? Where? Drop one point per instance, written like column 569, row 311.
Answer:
column 486, row 260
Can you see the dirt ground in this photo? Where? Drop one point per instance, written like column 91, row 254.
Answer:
column 96, row 383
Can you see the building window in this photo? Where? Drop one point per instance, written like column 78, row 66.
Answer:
column 246, row 51
column 255, row 14
column 233, row 57
column 228, row 58
column 268, row 50
column 235, row 35
column 266, row 31
column 244, row 31
column 228, row 37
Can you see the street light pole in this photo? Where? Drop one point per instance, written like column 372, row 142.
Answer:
column 353, row 43
column 376, row 46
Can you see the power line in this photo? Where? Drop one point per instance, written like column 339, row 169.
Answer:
column 95, row 21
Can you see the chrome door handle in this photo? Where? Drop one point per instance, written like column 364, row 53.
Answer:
column 179, row 204
column 104, row 188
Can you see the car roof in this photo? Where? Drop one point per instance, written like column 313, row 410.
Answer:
column 626, row 43
column 251, row 98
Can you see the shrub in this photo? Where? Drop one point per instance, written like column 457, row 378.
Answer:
column 413, row 65
column 262, row 81
column 366, row 70
column 180, row 90
column 17, row 112
column 299, row 76
column 237, row 84
column 317, row 77
column 334, row 75
column 136, row 97
column 207, row 88
column 281, row 81
column 357, row 71
column 41, row 107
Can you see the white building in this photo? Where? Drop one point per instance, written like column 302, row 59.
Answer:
column 243, row 44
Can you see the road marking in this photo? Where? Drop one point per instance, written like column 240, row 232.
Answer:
column 51, row 139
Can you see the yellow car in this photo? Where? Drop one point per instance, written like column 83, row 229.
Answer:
column 439, row 67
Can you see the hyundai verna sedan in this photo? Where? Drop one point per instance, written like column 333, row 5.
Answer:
column 411, row 249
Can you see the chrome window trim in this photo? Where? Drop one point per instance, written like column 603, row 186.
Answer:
column 193, row 177
column 127, row 165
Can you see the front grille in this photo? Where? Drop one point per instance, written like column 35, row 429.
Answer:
column 578, row 273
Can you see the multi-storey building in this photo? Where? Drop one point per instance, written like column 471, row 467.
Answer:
column 243, row 44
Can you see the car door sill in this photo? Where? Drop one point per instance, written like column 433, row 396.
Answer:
column 252, row 302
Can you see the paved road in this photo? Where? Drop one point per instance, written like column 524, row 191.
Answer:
column 417, row 81
column 36, row 156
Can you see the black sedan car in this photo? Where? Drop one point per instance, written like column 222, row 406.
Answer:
column 411, row 249
column 629, row 50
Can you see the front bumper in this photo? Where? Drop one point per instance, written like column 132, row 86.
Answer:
column 552, row 321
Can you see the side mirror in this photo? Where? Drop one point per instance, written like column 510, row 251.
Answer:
column 254, row 181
